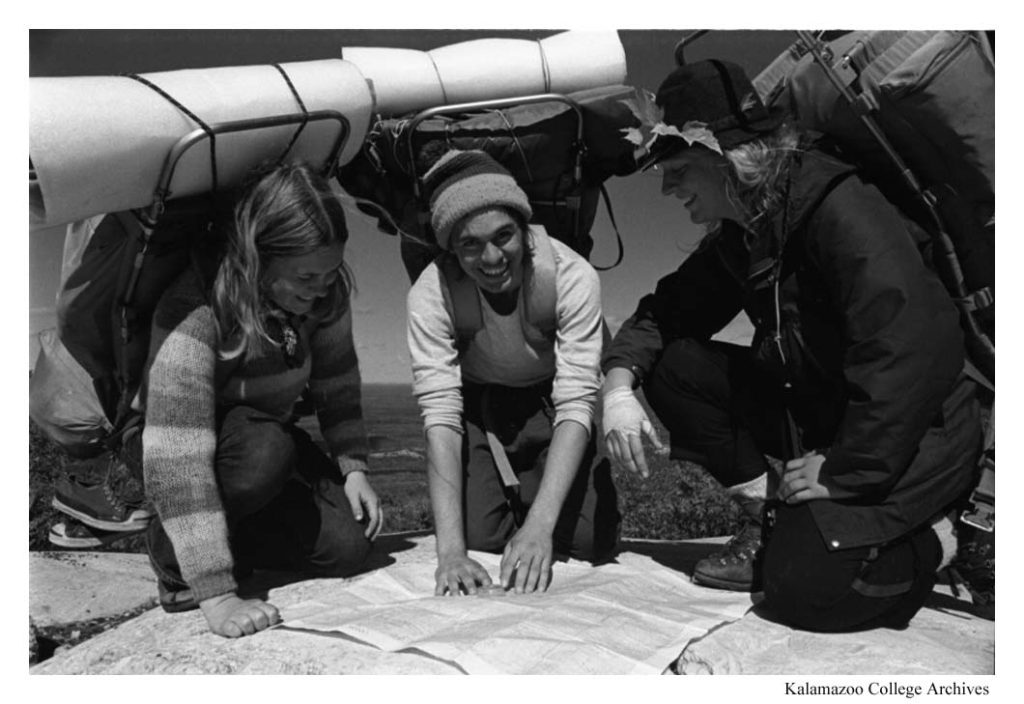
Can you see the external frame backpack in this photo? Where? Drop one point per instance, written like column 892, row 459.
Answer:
column 559, row 149
column 115, row 269
column 117, row 265
column 916, row 112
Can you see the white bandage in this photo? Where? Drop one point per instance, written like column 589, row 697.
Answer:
column 623, row 412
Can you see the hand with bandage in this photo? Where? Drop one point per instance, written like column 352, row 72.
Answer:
column 625, row 423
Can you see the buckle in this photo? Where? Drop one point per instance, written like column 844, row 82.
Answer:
column 982, row 514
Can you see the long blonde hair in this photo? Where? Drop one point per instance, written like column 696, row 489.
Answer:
column 758, row 169
column 285, row 210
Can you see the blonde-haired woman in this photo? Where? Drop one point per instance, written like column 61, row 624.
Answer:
column 235, row 483
column 853, row 377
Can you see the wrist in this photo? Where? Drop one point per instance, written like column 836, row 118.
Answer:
column 620, row 377
column 450, row 551
column 618, row 401
column 538, row 522
column 543, row 514
column 350, row 465
column 618, row 392
column 443, row 558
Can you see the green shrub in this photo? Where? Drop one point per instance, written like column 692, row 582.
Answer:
column 678, row 501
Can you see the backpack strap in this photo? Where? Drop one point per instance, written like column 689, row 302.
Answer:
column 615, row 227
column 538, row 313
column 463, row 300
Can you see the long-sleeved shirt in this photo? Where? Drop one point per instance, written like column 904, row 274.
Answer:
column 500, row 353
column 185, row 385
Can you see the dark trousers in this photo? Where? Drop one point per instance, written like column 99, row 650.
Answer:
column 284, row 501
column 719, row 412
column 724, row 415
column 810, row 587
column 588, row 525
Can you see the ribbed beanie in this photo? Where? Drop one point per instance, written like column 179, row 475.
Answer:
column 462, row 182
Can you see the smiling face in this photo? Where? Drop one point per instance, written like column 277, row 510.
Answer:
column 295, row 284
column 699, row 178
column 489, row 245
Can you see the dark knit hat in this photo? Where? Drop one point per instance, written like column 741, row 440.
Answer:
column 462, row 182
column 716, row 95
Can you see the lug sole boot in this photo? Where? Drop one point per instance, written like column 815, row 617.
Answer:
column 737, row 567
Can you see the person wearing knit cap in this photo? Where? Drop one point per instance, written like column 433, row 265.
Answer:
column 512, row 458
column 853, row 378
column 235, row 483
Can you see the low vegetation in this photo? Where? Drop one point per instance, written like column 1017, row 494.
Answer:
column 677, row 501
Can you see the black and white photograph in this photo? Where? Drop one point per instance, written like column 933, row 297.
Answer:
column 537, row 346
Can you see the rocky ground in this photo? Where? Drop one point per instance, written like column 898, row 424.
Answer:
column 75, row 596
column 95, row 613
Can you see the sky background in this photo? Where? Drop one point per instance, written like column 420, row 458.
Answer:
column 656, row 231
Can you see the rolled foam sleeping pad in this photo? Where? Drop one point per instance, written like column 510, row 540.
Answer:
column 407, row 80
column 97, row 144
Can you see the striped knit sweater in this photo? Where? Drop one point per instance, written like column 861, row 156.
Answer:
column 186, row 383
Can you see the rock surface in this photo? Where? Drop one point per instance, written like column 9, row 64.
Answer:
column 165, row 644
column 945, row 638
column 65, row 587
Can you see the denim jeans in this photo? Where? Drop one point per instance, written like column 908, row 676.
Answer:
column 284, row 501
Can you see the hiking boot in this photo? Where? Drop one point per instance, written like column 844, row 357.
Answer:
column 736, row 566
column 98, row 506
column 974, row 567
column 75, row 535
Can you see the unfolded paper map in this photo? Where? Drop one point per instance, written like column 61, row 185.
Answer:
column 629, row 617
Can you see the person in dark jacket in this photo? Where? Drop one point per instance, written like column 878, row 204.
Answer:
column 853, row 379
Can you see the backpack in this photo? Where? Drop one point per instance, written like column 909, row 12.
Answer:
column 115, row 269
column 916, row 112
column 538, row 316
column 560, row 150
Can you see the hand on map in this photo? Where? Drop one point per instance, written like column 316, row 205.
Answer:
column 231, row 616
column 528, row 555
column 799, row 481
column 459, row 574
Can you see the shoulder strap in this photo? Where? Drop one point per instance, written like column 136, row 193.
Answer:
column 540, row 294
column 465, row 302
column 538, row 313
